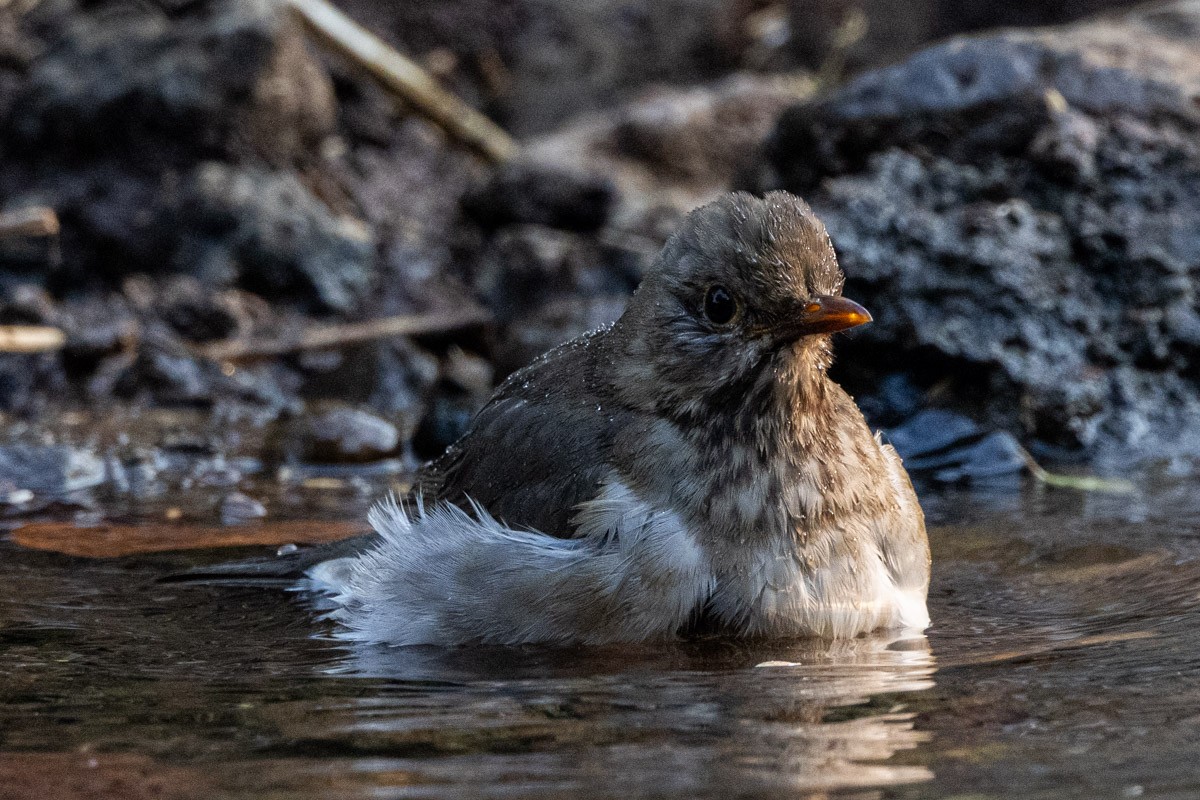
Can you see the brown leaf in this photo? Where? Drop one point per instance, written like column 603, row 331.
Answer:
column 113, row 541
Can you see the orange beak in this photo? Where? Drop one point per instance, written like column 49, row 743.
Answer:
column 823, row 314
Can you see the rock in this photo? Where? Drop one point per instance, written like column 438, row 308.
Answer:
column 446, row 420
column 49, row 469
column 1018, row 212
column 118, row 114
column 237, row 508
column 524, row 192
column 997, row 455
column 276, row 238
column 931, row 431
column 535, row 64
column 340, row 435
column 196, row 313
column 672, row 150
column 952, row 448
column 231, row 70
column 546, row 286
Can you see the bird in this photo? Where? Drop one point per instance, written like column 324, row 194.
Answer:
column 690, row 468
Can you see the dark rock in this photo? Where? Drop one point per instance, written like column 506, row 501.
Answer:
column 996, row 455
column 405, row 375
column 270, row 233
column 463, row 386
column 524, row 267
column 49, row 469
column 197, row 313
column 523, row 192
column 546, row 286
column 342, row 435
column 115, row 117
column 1018, row 212
column 29, row 383
column 234, row 71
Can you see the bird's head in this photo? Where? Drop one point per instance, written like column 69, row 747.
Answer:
column 746, row 290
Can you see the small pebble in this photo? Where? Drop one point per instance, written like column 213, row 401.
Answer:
column 238, row 508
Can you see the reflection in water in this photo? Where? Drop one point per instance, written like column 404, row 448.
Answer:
column 703, row 719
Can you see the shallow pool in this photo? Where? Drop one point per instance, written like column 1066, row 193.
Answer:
column 1063, row 662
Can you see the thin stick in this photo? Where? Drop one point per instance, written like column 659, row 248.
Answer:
column 30, row 339
column 1083, row 483
column 324, row 337
column 31, row 221
column 405, row 78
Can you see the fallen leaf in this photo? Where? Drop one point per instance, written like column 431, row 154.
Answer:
column 113, row 541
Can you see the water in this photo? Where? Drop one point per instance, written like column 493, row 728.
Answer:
column 1063, row 663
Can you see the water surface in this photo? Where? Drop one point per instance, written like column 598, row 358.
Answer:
column 1063, row 662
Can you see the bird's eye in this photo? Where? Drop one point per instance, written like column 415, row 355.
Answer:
column 720, row 306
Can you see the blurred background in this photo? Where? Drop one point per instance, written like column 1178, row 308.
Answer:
column 229, row 243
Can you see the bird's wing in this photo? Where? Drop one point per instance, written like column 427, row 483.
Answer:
column 538, row 449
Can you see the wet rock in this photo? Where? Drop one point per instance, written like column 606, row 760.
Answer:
column 49, row 469
column 340, row 435
column 997, row 455
column 30, row 383
column 405, row 375
column 162, row 372
column 951, row 448
column 464, row 384
column 1017, row 212
column 237, row 508
column 931, row 431
column 169, row 376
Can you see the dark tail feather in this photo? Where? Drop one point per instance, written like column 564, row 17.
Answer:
column 281, row 570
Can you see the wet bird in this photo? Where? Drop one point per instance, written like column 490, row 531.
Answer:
column 690, row 467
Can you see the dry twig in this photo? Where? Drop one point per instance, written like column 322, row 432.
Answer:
column 404, row 77
column 30, row 339
column 324, row 337
column 30, row 221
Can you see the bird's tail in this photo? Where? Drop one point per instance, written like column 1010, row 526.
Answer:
column 280, row 570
